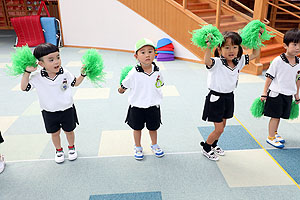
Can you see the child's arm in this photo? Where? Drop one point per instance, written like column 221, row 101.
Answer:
column 207, row 55
column 267, row 84
column 80, row 78
column 297, row 94
column 25, row 77
column 256, row 52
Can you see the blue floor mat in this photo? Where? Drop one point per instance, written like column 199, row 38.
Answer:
column 289, row 160
column 235, row 137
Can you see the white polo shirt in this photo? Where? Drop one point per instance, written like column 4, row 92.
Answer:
column 54, row 94
column 145, row 89
column 222, row 78
column 283, row 75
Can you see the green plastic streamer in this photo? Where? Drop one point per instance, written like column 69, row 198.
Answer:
column 21, row 59
column 208, row 33
column 250, row 35
column 93, row 66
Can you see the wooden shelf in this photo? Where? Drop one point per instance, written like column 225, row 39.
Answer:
column 20, row 8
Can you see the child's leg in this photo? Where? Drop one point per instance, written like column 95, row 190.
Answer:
column 70, row 137
column 137, row 134
column 219, row 129
column 153, row 136
column 273, row 126
column 71, row 140
column 56, row 139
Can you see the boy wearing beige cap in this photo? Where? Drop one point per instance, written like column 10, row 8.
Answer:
column 145, row 95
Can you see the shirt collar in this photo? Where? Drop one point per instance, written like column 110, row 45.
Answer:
column 235, row 61
column 284, row 58
column 44, row 73
column 140, row 69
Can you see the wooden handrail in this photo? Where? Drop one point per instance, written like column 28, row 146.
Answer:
column 266, row 21
column 184, row 4
column 284, row 10
column 218, row 14
column 290, row 4
column 243, row 6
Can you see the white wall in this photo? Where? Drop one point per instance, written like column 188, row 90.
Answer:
column 109, row 24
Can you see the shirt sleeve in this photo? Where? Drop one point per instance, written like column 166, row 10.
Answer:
column 271, row 72
column 32, row 82
column 128, row 81
column 212, row 64
column 71, row 79
column 244, row 61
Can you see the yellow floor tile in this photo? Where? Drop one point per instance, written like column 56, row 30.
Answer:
column 6, row 122
column 33, row 109
column 24, row 147
column 74, row 64
column 92, row 93
column 17, row 88
column 251, row 168
column 121, row 143
column 247, row 78
column 169, row 90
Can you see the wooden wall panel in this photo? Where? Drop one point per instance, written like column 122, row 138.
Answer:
column 169, row 17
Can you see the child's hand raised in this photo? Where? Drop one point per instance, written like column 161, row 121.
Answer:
column 209, row 37
column 82, row 70
column 261, row 31
column 30, row 69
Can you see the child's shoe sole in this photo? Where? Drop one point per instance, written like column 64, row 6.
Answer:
column 275, row 144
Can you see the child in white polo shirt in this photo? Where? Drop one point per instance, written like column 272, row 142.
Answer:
column 281, row 84
column 2, row 162
column 145, row 95
column 53, row 84
column 223, row 73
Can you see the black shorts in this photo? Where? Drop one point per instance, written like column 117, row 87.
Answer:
column 218, row 106
column 66, row 120
column 137, row 117
column 278, row 107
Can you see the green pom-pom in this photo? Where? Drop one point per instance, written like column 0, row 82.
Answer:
column 207, row 32
column 124, row 72
column 250, row 35
column 93, row 66
column 257, row 108
column 21, row 59
column 294, row 111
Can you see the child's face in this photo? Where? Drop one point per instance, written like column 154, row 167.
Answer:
column 292, row 49
column 145, row 55
column 229, row 51
column 51, row 62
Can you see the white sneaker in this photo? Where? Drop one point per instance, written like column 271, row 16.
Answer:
column 59, row 157
column 158, row 152
column 210, row 155
column 138, row 153
column 72, row 154
column 279, row 138
column 218, row 150
column 275, row 143
column 2, row 164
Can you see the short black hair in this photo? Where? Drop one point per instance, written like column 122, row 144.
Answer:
column 292, row 35
column 235, row 39
column 44, row 49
